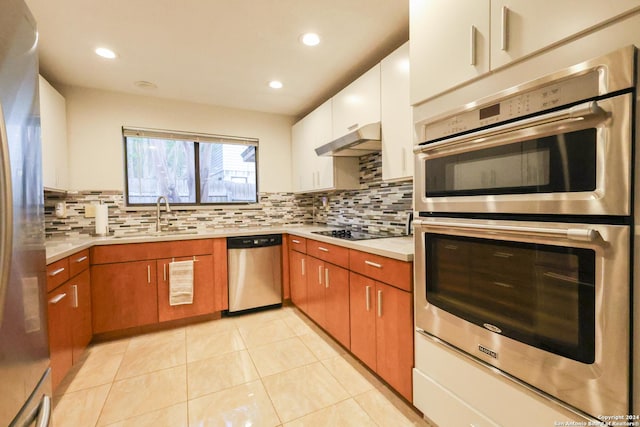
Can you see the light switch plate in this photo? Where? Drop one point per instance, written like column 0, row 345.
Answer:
column 90, row 211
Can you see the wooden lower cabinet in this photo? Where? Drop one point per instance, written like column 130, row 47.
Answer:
column 69, row 313
column 362, row 292
column 124, row 295
column 382, row 330
column 60, row 312
column 336, row 302
column 203, row 289
column 315, row 290
column 81, row 331
column 328, row 298
column 298, row 279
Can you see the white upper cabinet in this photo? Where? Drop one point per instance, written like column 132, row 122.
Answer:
column 358, row 104
column 312, row 172
column 53, row 122
column 395, row 110
column 449, row 44
column 521, row 27
column 453, row 42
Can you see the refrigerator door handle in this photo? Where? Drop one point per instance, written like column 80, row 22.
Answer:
column 44, row 413
column 6, row 214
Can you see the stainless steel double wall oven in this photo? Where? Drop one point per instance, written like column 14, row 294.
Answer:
column 523, row 240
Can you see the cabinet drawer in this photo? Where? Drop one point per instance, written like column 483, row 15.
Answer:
column 147, row 251
column 327, row 252
column 383, row 269
column 442, row 406
column 78, row 262
column 57, row 273
column 297, row 243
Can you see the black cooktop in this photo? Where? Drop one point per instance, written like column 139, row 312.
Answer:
column 348, row 234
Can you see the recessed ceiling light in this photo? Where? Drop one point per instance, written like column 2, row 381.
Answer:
column 105, row 53
column 310, row 39
column 275, row 84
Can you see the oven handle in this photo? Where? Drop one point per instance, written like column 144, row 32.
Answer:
column 576, row 234
column 577, row 113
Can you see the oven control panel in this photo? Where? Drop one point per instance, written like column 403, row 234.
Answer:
column 546, row 97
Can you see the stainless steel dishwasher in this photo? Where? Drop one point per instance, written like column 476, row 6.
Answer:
column 255, row 272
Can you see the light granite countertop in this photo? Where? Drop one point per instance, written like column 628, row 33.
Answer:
column 400, row 248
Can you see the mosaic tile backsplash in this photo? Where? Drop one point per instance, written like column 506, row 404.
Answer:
column 377, row 207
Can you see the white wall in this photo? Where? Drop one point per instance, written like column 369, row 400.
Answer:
column 94, row 130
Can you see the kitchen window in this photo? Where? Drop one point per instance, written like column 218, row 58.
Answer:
column 190, row 169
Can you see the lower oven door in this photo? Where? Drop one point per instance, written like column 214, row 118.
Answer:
column 547, row 303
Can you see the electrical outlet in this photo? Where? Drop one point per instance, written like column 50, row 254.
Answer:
column 90, row 211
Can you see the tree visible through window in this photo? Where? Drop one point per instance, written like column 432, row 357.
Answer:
column 189, row 169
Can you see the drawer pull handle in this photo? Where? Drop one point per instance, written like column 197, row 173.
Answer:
column 373, row 264
column 57, row 298
column 368, row 297
column 352, row 127
column 56, row 272
column 81, row 259
column 295, row 241
column 320, row 248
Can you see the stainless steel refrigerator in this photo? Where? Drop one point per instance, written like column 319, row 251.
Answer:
column 25, row 387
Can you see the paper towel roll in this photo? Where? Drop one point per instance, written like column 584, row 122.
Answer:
column 102, row 220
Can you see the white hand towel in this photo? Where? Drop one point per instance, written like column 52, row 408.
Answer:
column 181, row 282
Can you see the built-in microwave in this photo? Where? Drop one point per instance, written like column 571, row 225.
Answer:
column 558, row 145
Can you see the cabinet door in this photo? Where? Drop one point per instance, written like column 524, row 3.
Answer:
column 319, row 133
column 449, row 44
column 220, row 275
column 363, row 321
column 395, row 111
column 525, row 27
column 394, row 337
column 358, row 104
column 301, row 173
column 298, row 278
column 315, row 290
column 80, row 287
column 336, row 300
column 203, row 289
column 60, row 340
column 124, row 295
column 53, row 122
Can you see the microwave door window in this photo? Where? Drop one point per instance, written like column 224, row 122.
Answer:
column 559, row 163
column 540, row 295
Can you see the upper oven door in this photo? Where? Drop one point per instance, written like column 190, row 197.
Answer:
column 575, row 161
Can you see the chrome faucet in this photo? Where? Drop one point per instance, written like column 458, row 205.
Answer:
column 167, row 208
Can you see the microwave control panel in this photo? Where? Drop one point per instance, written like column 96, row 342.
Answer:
column 543, row 98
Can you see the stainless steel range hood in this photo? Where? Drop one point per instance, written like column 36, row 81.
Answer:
column 364, row 140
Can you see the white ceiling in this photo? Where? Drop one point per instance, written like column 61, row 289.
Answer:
column 220, row 52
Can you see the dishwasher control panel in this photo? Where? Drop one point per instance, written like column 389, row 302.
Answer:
column 254, row 241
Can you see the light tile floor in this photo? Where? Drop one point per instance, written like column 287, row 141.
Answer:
column 274, row 368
